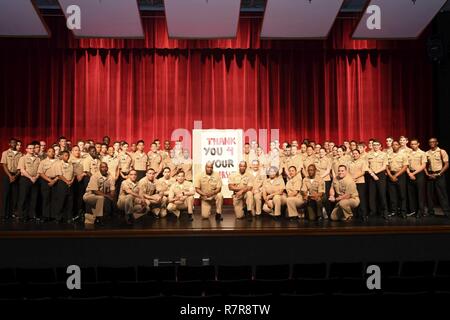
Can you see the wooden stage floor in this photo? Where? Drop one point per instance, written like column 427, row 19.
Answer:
column 230, row 226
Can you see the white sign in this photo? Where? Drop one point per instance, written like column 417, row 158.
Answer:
column 223, row 148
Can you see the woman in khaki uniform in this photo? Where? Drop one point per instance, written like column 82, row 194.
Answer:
column 273, row 193
column 358, row 169
column 294, row 198
column 162, row 186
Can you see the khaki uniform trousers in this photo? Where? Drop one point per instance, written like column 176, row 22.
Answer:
column 238, row 204
column 292, row 204
column 175, row 207
column 206, row 205
column 273, row 206
column 343, row 209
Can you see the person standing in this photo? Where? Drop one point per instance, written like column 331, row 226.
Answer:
column 208, row 185
column 155, row 159
column 417, row 162
column 397, row 165
column 10, row 180
column 435, row 172
column 358, row 168
column 378, row 162
column 140, row 160
column 62, row 191
column 186, row 165
column 78, row 189
column 28, row 189
column 47, row 181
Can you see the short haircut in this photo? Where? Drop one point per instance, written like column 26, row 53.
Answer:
column 292, row 167
column 140, row 141
column 343, row 166
column 64, row 152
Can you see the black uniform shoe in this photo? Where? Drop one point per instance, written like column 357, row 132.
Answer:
column 129, row 219
column 219, row 217
column 190, row 217
column 98, row 221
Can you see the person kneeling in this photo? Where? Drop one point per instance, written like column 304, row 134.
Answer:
column 241, row 184
column 273, row 193
column 129, row 199
column 313, row 189
column 345, row 194
column 181, row 196
column 99, row 195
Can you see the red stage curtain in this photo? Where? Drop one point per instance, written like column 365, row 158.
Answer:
column 130, row 89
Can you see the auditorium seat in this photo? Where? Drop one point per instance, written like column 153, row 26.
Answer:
column 234, row 273
column 164, row 273
column 346, row 270
column 11, row 291
column 313, row 286
column 122, row 274
column 443, row 268
column 274, row 287
column 309, row 271
column 137, row 289
column 7, row 275
column 441, row 284
column 407, row 285
column 42, row 275
column 272, row 272
column 88, row 274
column 352, row 287
column 183, row 288
column 387, row 268
column 417, row 269
column 91, row 290
column 38, row 291
column 233, row 287
column 190, row 273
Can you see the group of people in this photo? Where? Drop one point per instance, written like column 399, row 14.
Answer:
column 88, row 181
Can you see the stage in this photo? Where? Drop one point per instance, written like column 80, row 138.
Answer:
column 229, row 242
column 264, row 225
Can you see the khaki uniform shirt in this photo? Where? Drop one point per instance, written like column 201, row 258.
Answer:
column 296, row 161
column 309, row 186
column 345, row 186
column 396, row 161
column 208, row 183
column 357, row 168
column 416, row 159
column 127, row 187
column 30, row 164
column 77, row 164
column 64, row 169
column 242, row 180
column 273, row 185
column 294, row 184
column 176, row 188
column 257, row 181
column 46, row 167
column 163, row 185
column 125, row 162
column 100, row 183
column 377, row 160
column 322, row 165
column 309, row 160
column 113, row 163
column 91, row 165
column 147, row 187
column 140, row 161
column 186, row 166
column 11, row 160
column 436, row 159
column 154, row 160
